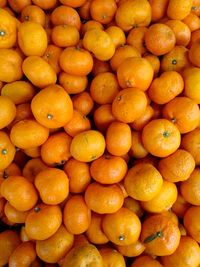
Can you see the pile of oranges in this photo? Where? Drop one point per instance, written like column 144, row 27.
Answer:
column 100, row 133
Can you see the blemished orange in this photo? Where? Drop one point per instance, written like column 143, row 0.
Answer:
column 55, row 248
column 79, row 175
column 122, row 227
column 52, row 185
column 143, row 182
column 52, row 107
column 9, row 240
column 166, row 87
column 179, row 10
column 76, row 61
column 108, row 169
column 19, row 192
column 104, row 199
column 133, row 250
column 43, row 221
column 190, row 220
column 73, row 84
column 146, row 261
column 136, row 38
column 112, row 256
column 23, row 255
column 7, row 150
column 183, row 112
column 10, row 65
column 13, row 215
column 87, row 146
column 19, row 91
column 94, row 232
column 189, row 188
column 133, row 14
column 160, row 39
column 23, row 132
column 168, row 166
column 118, row 138
column 33, row 13
column 137, row 149
column 55, row 151
column 129, row 104
column 78, row 256
column 104, row 87
column 38, row 71
column 165, row 137
column 130, row 73
column 163, row 200
column 187, row 253
column 32, row 168
column 8, row 111
column 76, row 215
column 32, row 39
column 8, row 32
column 160, row 235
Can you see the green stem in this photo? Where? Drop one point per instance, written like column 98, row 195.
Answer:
column 153, row 237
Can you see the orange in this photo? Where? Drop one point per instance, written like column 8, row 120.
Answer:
column 192, row 81
column 23, row 132
column 133, row 13
column 33, row 152
column 180, row 206
column 32, row 168
column 103, row 117
column 103, row 11
column 129, row 104
column 175, row 60
column 108, row 169
column 194, row 37
column 32, row 39
column 139, row 123
column 112, row 256
column 73, row 3
column 99, row 43
column 51, row 56
column 90, row 25
column 163, row 200
column 158, row 9
column 55, row 248
column 83, row 255
column 10, row 65
column 133, row 205
column 143, row 182
column 52, row 107
column 130, row 73
column 8, row 32
column 73, row 84
column 38, row 71
column 122, row 227
column 183, row 112
column 43, row 221
column 19, row 192
column 133, row 250
column 76, row 215
column 8, row 111
column 160, row 39
column 18, row 5
column 166, row 87
column 155, row 63
column 168, row 166
column 187, row 254
column 48, row 4
column 76, row 61
column 19, row 91
column 79, row 175
column 117, row 35
column 137, row 149
column 104, row 87
column 160, row 235
column 190, row 220
column 161, row 137
column 9, row 241
column 83, row 102
column 136, row 38
column 55, row 151
column 118, row 138
column 146, row 261
column 189, row 188
column 87, row 146
column 121, row 53
column 94, row 232
column 179, row 10
column 84, row 10
column 11, row 170
column 195, row 7
column 34, row 14
column 65, row 15
column 13, row 215
column 190, row 143
column 104, row 199
column 24, row 255
column 3, row 3
column 192, row 21
column 194, row 54
column 52, row 185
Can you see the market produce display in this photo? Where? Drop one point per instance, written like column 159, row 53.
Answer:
column 99, row 133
